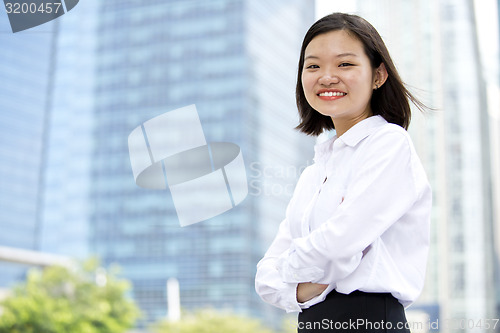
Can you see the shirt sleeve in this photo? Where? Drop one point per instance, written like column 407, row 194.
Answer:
column 382, row 190
column 268, row 283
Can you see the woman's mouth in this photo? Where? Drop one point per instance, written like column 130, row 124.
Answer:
column 331, row 95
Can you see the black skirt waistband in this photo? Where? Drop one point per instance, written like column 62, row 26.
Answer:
column 355, row 312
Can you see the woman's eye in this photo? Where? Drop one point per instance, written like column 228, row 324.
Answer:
column 345, row 64
column 312, row 67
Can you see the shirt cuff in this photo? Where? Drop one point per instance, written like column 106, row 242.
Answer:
column 290, row 271
column 290, row 298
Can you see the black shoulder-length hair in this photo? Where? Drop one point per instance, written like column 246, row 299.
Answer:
column 391, row 100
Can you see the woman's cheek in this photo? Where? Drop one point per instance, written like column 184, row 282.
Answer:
column 307, row 86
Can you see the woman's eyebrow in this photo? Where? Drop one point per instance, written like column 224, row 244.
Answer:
column 311, row 57
column 346, row 54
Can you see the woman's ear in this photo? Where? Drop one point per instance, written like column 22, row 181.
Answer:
column 380, row 76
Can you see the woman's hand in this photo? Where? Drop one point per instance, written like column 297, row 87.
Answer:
column 309, row 290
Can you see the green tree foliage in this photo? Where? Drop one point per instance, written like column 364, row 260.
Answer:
column 210, row 321
column 289, row 324
column 83, row 299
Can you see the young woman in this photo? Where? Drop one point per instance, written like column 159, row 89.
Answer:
column 351, row 252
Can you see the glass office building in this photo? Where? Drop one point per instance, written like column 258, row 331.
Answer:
column 26, row 63
column 105, row 68
column 68, row 145
column 236, row 61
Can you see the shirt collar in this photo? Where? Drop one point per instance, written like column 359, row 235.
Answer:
column 362, row 129
column 351, row 138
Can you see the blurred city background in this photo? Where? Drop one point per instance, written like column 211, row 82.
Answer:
column 72, row 90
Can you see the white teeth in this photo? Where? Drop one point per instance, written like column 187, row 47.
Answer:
column 331, row 93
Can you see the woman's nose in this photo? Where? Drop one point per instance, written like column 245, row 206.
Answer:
column 328, row 79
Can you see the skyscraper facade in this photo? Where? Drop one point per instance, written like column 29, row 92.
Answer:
column 68, row 142
column 434, row 45
column 67, row 185
column 236, row 61
column 26, row 62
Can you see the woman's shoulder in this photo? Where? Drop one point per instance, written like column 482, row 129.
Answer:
column 390, row 134
column 390, row 128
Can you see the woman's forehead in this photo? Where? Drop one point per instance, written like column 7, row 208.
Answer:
column 337, row 43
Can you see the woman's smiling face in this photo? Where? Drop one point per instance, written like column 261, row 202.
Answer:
column 337, row 77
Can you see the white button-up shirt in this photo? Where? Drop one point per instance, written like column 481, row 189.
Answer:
column 359, row 219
